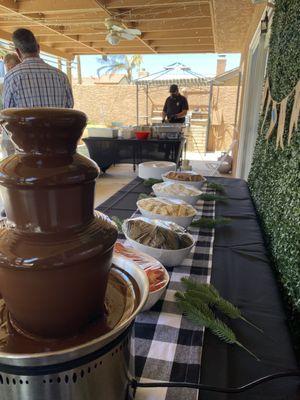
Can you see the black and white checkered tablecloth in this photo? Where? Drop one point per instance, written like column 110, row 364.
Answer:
column 167, row 347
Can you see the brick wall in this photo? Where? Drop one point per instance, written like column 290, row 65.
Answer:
column 108, row 103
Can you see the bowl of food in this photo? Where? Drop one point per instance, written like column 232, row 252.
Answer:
column 142, row 135
column 155, row 169
column 157, row 274
column 187, row 177
column 169, row 243
column 181, row 191
column 173, row 210
column 158, row 281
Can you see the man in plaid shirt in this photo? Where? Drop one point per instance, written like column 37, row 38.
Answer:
column 34, row 83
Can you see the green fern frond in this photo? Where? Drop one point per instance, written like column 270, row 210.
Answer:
column 217, row 327
column 216, row 186
column 223, row 331
column 209, row 294
column 213, row 197
column 210, row 223
column 118, row 222
column 200, row 305
column 151, row 181
column 144, row 196
column 191, row 284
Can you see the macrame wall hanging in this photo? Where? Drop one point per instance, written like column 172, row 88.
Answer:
column 278, row 114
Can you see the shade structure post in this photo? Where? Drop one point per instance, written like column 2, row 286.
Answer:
column 209, row 114
column 59, row 63
column 137, row 104
column 147, row 104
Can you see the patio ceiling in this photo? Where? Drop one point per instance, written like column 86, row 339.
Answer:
column 69, row 27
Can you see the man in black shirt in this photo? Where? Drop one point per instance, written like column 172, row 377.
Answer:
column 176, row 107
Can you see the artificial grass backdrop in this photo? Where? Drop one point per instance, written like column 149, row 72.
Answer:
column 274, row 178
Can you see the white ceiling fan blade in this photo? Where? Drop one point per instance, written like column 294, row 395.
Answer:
column 127, row 36
column 116, row 28
column 135, row 32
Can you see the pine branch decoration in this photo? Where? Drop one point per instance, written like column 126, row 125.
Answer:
column 201, row 316
column 151, row 181
column 210, row 295
column 210, row 223
column 118, row 222
column 216, row 186
column 213, row 197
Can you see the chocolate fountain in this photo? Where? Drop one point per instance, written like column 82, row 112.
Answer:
column 66, row 312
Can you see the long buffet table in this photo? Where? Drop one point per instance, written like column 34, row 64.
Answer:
column 108, row 151
column 242, row 272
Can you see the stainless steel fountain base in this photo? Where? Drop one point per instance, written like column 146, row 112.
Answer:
column 98, row 369
column 102, row 375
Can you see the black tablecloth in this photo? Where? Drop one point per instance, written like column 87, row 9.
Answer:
column 108, row 151
column 243, row 274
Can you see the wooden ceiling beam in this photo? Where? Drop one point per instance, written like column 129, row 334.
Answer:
column 162, row 26
column 99, row 44
column 28, row 20
column 185, row 49
column 205, row 20
column 188, row 33
column 45, row 48
column 56, row 6
column 182, row 42
column 120, row 4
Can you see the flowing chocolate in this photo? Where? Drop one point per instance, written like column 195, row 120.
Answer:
column 55, row 258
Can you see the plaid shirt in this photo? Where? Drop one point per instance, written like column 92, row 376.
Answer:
column 34, row 83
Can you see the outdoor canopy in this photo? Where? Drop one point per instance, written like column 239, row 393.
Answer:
column 177, row 73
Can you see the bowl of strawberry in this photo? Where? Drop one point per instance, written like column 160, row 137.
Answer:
column 158, row 281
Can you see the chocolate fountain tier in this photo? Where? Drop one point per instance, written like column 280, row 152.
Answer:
column 94, row 364
column 55, row 253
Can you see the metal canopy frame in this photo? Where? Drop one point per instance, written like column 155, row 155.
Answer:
column 177, row 73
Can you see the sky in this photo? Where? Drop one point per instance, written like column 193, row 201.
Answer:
column 204, row 64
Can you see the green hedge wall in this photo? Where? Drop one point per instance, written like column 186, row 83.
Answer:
column 274, row 178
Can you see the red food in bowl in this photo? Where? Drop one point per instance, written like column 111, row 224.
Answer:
column 156, row 278
column 142, row 135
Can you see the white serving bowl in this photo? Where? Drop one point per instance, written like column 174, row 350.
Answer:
column 154, row 296
column 197, row 185
column 127, row 255
column 192, row 200
column 155, row 169
column 168, row 258
column 181, row 221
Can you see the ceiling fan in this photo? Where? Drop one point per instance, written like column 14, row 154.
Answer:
column 117, row 31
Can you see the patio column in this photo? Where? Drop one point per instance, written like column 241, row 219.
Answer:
column 79, row 76
column 59, row 64
column 69, row 70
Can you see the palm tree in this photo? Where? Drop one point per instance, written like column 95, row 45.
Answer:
column 114, row 64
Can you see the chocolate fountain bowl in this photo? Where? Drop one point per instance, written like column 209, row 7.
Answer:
column 66, row 312
column 56, row 252
column 95, row 369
